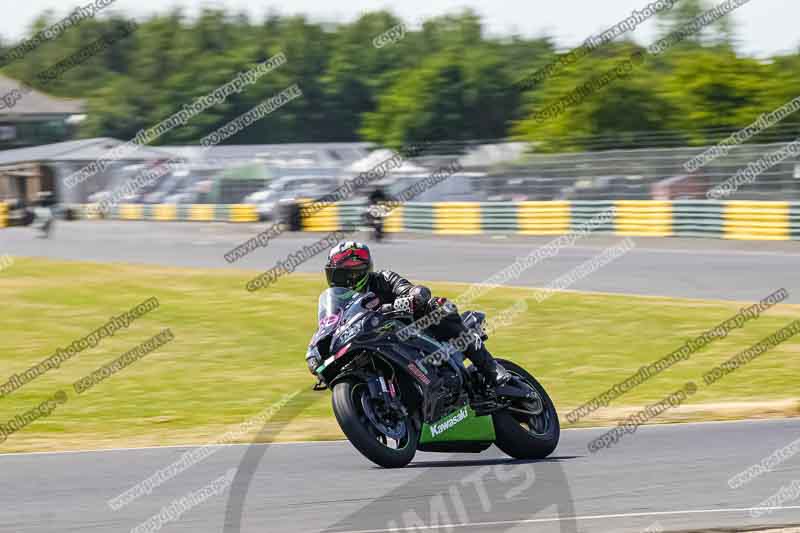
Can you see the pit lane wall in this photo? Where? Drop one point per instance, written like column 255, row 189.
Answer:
column 732, row 219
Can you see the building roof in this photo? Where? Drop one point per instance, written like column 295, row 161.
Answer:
column 380, row 155
column 281, row 155
column 36, row 103
column 81, row 150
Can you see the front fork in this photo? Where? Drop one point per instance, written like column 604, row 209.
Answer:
column 386, row 390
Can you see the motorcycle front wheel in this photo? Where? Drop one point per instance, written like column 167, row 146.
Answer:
column 390, row 444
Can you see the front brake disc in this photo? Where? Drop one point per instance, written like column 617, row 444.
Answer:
column 397, row 432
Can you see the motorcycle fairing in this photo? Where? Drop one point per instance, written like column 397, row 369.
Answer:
column 341, row 310
column 459, row 430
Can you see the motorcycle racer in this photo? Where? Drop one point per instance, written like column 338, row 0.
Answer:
column 350, row 266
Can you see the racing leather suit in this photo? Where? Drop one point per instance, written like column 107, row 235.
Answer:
column 393, row 289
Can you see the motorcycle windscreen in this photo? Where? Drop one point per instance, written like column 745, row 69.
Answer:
column 332, row 301
column 336, row 307
column 462, row 425
column 330, row 310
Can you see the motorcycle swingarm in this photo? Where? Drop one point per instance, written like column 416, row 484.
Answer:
column 499, row 400
column 511, row 391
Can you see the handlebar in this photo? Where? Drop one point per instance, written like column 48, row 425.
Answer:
column 400, row 315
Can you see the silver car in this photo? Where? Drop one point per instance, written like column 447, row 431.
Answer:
column 285, row 190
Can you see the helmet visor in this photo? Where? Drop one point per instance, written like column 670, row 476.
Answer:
column 346, row 277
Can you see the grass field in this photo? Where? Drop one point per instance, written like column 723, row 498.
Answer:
column 235, row 353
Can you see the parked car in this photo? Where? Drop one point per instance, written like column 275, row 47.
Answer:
column 145, row 193
column 287, row 190
column 606, row 188
column 460, row 187
column 173, row 183
column 181, row 198
column 684, row 187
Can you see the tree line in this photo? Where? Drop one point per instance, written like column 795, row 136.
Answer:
column 378, row 79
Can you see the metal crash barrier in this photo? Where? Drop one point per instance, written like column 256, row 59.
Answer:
column 728, row 219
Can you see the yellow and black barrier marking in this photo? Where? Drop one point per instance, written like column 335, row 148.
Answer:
column 92, row 212
column 757, row 220
column 131, row 212
column 242, row 213
column 730, row 219
column 202, row 212
column 643, row 218
column 317, row 217
column 544, row 218
column 457, row 218
column 3, row 214
column 165, row 212
column 394, row 221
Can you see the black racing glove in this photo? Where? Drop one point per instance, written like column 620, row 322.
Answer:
column 421, row 296
column 415, row 303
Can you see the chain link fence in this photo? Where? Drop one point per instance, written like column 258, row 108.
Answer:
column 643, row 174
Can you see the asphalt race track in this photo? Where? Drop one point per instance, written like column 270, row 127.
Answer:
column 692, row 268
column 675, row 475
column 670, row 478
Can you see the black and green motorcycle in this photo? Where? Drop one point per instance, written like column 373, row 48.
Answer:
column 392, row 397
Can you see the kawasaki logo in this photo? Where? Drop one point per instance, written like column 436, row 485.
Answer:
column 437, row 429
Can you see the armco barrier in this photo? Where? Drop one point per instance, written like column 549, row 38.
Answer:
column 540, row 218
column 131, row 212
column 323, row 219
column 418, row 217
column 458, row 218
column 500, row 216
column 794, row 220
column 729, row 219
column 165, row 212
column 170, row 212
column 697, row 218
column 202, row 212
column 589, row 212
column 242, row 213
column 757, row 220
column 637, row 218
column 394, row 220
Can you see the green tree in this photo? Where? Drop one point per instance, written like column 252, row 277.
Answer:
column 721, row 31
column 713, row 91
column 444, row 80
column 619, row 114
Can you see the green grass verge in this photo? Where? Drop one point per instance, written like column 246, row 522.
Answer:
column 235, row 352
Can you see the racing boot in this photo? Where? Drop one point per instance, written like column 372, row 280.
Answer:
column 494, row 374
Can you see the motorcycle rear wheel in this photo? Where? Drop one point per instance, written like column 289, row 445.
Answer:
column 363, row 434
column 522, row 436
